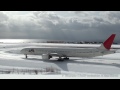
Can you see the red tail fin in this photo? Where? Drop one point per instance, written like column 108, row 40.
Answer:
column 107, row 44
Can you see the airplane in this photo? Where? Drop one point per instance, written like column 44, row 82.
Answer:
column 64, row 53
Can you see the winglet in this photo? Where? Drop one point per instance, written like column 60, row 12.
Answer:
column 108, row 43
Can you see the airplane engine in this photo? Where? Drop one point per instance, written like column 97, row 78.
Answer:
column 46, row 57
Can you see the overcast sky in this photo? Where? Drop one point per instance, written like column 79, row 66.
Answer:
column 60, row 25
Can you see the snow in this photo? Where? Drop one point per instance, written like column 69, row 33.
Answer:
column 107, row 66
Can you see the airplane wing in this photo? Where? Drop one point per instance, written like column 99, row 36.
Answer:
column 56, row 55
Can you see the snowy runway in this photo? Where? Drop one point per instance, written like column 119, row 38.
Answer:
column 10, row 56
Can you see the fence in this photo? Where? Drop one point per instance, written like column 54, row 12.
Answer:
column 47, row 70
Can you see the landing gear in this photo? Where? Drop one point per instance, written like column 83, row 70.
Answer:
column 26, row 56
column 66, row 58
column 60, row 59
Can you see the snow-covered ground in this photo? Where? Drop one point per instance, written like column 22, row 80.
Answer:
column 107, row 66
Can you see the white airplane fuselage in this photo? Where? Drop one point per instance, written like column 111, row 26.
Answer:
column 69, row 52
column 66, row 52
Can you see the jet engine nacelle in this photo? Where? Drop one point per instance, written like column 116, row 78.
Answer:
column 46, row 57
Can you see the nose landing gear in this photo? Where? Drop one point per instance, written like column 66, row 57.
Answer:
column 26, row 56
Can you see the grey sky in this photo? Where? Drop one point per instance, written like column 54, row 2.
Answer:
column 60, row 25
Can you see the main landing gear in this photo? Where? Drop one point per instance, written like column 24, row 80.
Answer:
column 66, row 58
column 26, row 56
column 62, row 59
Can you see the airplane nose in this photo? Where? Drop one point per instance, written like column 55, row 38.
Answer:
column 23, row 50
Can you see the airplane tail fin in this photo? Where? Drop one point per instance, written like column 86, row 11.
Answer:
column 108, row 43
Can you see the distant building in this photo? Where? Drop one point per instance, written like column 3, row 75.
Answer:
column 55, row 42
